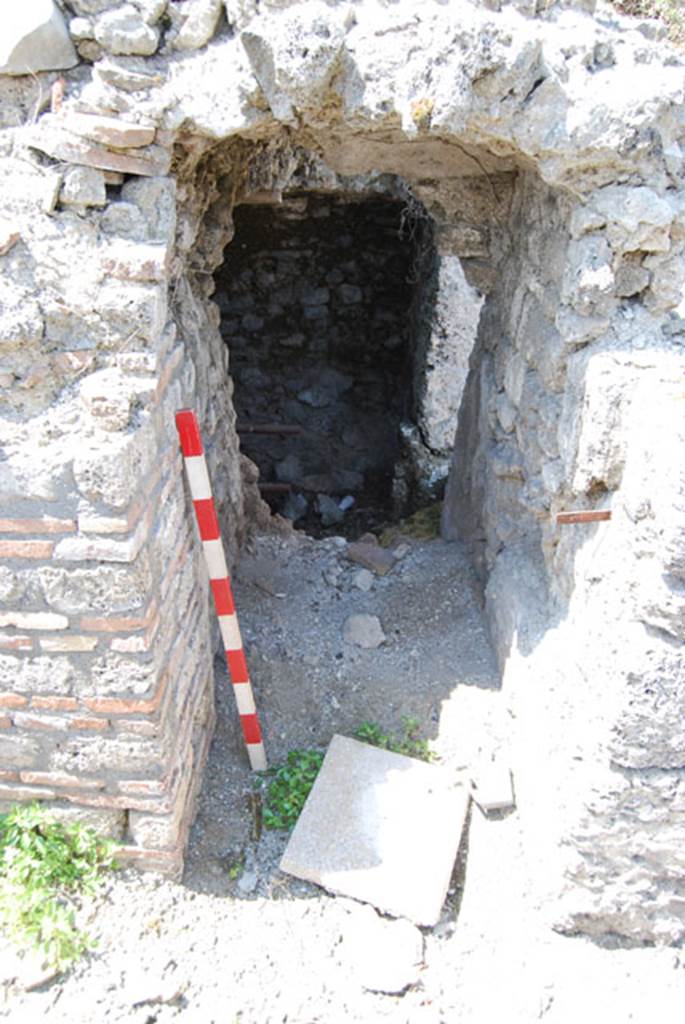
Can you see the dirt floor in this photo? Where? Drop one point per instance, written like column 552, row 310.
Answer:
column 239, row 941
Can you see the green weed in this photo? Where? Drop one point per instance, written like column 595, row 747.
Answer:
column 289, row 788
column 45, row 867
column 409, row 743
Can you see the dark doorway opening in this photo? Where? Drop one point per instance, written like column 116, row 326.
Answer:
column 317, row 301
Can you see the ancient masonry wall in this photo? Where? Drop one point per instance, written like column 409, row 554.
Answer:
column 547, row 146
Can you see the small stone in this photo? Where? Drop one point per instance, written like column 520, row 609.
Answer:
column 363, row 631
column 293, row 341
column 80, row 29
column 315, row 296
column 247, row 883
column 328, row 510
column 83, row 186
column 363, row 580
column 294, row 507
column 35, row 38
column 371, row 556
column 350, row 294
column 124, row 32
column 289, row 469
column 199, row 22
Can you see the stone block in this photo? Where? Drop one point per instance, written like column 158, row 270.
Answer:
column 83, row 186
column 37, row 675
column 100, row 589
column 19, row 752
column 371, row 556
column 382, row 828
column 35, row 38
column 94, row 754
column 195, row 24
column 49, row 137
column 113, row 132
column 124, row 32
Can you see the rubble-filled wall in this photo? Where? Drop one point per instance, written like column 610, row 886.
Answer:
column 547, row 146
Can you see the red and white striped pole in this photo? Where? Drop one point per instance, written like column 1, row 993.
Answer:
column 208, row 525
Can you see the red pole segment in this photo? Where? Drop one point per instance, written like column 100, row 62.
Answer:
column 220, row 583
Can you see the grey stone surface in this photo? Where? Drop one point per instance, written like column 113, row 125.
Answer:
column 382, row 828
column 35, row 38
column 363, row 631
column 124, row 31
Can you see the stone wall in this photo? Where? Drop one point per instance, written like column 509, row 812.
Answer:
column 547, row 147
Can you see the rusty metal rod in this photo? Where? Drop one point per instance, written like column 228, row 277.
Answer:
column 269, row 428
column 584, row 516
column 273, row 488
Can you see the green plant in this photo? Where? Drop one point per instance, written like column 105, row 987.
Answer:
column 45, row 867
column 409, row 743
column 289, row 788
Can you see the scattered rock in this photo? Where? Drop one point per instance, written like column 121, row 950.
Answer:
column 247, row 883
column 371, row 556
column 363, row 580
column 35, row 38
column 363, row 631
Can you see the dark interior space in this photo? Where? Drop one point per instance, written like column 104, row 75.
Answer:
column 316, row 295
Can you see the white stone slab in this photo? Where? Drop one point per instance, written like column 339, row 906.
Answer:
column 492, row 787
column 382, row 828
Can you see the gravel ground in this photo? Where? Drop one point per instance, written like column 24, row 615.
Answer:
column 239, row 941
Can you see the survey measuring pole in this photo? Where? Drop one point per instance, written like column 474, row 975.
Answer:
column 220, row 582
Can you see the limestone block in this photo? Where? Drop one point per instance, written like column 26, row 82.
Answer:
column 588, row 283
column 196, row 24
column 105, row 396
column 115, row 590
column 113, row 132
column 89, row 754
column 112, row 469
column 447, row 348
column 37, row 675
column 294, row 53
column 636, row 218
column 35, row 38
column 114, row 675
column 124, row 31
column 83, row 186
column 19, row 752
column 155, row 197
column 125, row 220
column 49, row 137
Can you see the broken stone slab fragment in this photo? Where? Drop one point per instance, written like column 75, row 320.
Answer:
column 35, row 38
column 386, row 956
column 83, row 186
column 61, row 145
column 371, row 556
column 492, row 786
column 363, row 631
column 124, row 32
column 382, row 828
column 109, row 131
